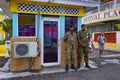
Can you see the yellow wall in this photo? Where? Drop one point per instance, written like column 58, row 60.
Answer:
column 1, row 31
column 2, row 47
column 2, row 50
column 14, row 8
column 110, row 46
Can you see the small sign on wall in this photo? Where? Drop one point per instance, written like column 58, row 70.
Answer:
column 7, row 44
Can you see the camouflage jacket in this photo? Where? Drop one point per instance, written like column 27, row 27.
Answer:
column 70, row 39
column 83, row 37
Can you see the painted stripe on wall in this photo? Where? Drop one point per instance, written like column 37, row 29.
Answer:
column 38, row 22
column 15, row 25
column 79, row 23
column 62, row 26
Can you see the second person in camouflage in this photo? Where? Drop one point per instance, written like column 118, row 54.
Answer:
column 83, row 46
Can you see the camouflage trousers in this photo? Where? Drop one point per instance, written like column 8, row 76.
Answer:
column 81, row 51
column 70, row 56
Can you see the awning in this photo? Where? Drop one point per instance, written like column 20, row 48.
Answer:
column 88, row 4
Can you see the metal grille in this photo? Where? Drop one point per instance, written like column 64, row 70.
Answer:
column 33, row 8
column 65, row 10
column 22, row 49
column 46, row 9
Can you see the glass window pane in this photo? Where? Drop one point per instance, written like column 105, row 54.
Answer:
column 117, row 27
column 50, row 41
column 26, row 25
column 70, row 21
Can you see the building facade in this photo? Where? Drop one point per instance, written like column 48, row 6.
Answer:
column 42, row 23
column 2, row 33
column 105, row 18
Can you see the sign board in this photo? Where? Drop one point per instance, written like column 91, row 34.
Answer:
column 111, row 14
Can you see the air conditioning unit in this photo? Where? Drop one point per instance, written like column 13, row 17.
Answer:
column 25, row 49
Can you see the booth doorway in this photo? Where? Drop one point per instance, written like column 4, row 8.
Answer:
column 50, row 40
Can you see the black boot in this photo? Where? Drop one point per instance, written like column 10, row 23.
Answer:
column 66, row 68
column 78, row 66
column 73, row 67
column 87, row 66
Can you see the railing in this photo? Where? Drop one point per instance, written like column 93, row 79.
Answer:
column 105, row 6
column 89, row 0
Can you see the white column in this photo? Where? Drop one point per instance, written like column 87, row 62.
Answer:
column 117, row 37
column 99, row 6
column 115, row 2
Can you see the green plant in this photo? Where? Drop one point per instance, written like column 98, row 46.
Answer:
column 2, row 42
column 7, row 25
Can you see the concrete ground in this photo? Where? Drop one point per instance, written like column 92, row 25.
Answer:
column 105, row 68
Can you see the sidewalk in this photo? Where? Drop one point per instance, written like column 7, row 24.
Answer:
column 5, row 75
column 93, row 64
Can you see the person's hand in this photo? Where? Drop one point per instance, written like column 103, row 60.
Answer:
column 102, row 42
column 84, row 45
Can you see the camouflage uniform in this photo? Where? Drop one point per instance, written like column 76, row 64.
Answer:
column 83, row 37
column 70, row 40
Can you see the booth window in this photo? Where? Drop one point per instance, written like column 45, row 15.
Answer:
column 70, row 21
column 26, row 25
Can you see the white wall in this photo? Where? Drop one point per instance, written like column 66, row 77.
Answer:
column 117, row 37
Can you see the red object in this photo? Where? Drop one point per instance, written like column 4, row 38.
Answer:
column 110, row 37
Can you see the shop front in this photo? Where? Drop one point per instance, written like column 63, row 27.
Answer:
column 41, row 24
column 44, row 24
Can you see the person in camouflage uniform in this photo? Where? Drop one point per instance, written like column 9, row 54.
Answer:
column 70, row 38
column 83, row 46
